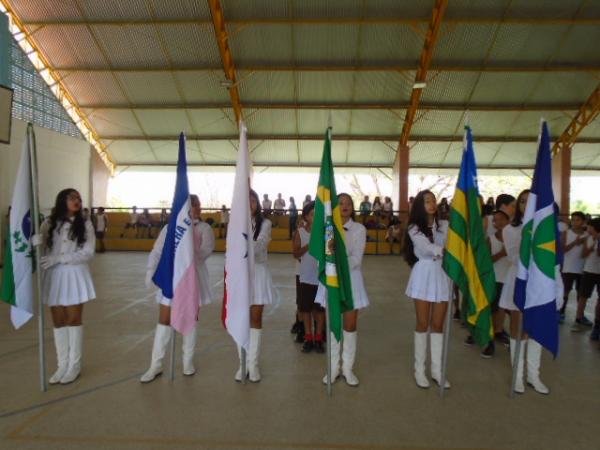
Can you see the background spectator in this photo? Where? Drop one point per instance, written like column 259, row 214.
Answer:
column 279, row 205
column 100, row 224
column 365, row 209
column 266, row 204
column 133, row 221
column 224, row 219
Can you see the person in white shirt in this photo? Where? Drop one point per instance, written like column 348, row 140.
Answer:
column 501, row 264
column 224, row 218
column 68, row 243
column 356, row 239
column 310, row 311
column 133, row 221
column 101, row 226
column 572, row 240
column 204, row 244
column 591, row 274
column 428, row 284
column 263, row 289
column 266, row 205
column 279, row 205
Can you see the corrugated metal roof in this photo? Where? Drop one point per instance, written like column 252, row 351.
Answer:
column 143, row 53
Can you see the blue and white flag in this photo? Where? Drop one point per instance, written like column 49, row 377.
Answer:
column 538, row 280
column 176, row 274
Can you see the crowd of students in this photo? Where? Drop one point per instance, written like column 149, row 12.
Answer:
column 67, row 240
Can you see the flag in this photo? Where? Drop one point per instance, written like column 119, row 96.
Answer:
column 17, row 286
column 176, row 274
column 334, row 270
column 239, row 253
column 537, row 279
column 467, row 259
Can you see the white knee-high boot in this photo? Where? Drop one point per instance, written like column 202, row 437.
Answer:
column 188, row 346
column 420, row 359
column 238, row 374
column 61, row 342
column 162, row 337
column 335, row 358
column 519, row 386
column 75, row 346
column 253, row 355
column 437, row 344
column 348, row 357
column 534, row 357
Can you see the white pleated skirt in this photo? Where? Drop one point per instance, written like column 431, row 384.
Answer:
column 429, row 282
column 263, row 285
column 206, row 296
column 508, row 290
column 67, row 285
column 359, row 293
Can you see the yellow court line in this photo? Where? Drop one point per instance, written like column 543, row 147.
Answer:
column 15, row 433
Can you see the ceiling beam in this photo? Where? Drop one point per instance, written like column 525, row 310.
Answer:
column 491, row 107
column 319, row 21
column 316, row 165
column 218, row 20
column 337, row 137
column 525, row 68
column 426, row 54
column 586, row 115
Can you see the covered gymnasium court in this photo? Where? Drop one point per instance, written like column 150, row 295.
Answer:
column 109, row 86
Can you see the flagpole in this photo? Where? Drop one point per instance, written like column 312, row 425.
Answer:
column 329, row 342
column 445, row 348
column 327, row 318
column 172, row 370
column 35, row 220
column 515, row 360
column 243, row 353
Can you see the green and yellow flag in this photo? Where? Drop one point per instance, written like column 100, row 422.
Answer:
column 334, row 270
column 468, row 260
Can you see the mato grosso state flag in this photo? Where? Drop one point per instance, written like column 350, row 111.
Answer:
column 17, row 287
column 537, row 279
column 176, row 274
column 468, row 260
column 334, row 270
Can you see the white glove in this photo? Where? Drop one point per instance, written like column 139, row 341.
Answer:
column 149, row 282
column 48, row 261
column 36, row 240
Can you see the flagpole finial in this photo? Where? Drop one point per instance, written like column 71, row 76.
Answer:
column 329, row 120
column 467, row 119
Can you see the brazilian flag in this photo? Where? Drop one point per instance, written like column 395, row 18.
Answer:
column 468, row 260
column 334, row 270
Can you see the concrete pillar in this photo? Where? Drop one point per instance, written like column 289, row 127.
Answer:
column 400, row 180
column 561, row 179
column 99, row 180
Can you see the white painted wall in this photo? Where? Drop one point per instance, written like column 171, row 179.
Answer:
column 63, row 161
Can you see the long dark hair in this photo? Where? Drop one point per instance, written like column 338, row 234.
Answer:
column 258, row 217
column 59, row 214
column 353, row 215
column 518, row 219
column 419, row 218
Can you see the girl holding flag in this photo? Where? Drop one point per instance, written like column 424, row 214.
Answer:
column 356, row 238
column 263, row 288
column 511, row 235
column 68, row 244
column 428, row 285
column 204, row 244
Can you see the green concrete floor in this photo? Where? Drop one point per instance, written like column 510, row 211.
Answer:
column 108, row 407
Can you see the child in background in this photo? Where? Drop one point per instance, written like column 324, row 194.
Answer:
column 573, row 241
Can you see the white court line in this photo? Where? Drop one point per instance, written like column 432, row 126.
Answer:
column 130, row 305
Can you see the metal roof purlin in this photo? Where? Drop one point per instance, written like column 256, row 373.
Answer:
column 218, row 20
column 432, row 33
column 586, row 115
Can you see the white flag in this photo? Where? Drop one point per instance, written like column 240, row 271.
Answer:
column 17, row 288
column 239, row 255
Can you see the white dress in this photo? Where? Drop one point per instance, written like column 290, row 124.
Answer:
column 204, row 242
column 500, row 266
column 263, row 283
column 428, row 281
column 356, row 239
column 69, row 282
column 512, row 243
